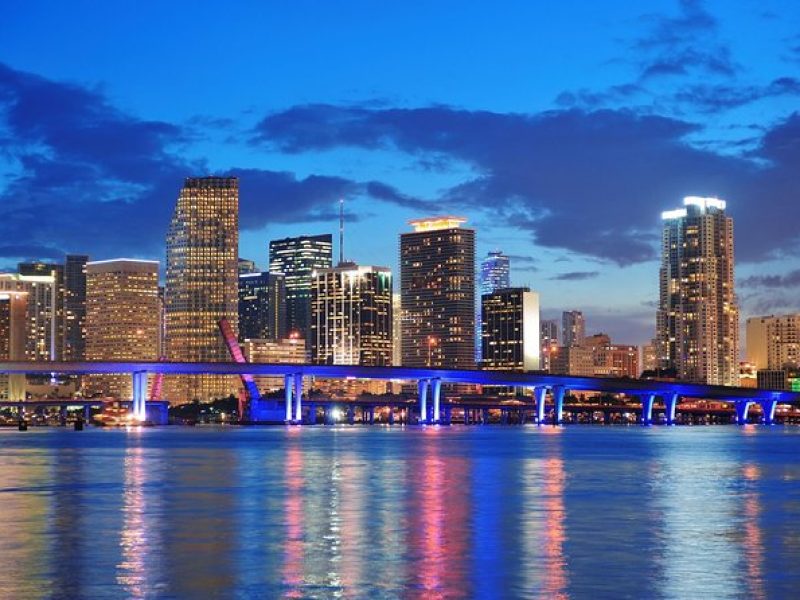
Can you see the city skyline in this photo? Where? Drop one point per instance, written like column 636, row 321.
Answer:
column 564, row 164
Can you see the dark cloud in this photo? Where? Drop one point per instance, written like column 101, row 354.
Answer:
column 716, row 98
column 592, row 182
column 575, row 276
column 787, row 280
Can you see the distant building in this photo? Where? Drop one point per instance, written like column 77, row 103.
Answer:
column 298, row 258
column 247, row 266
column 122, row 320
column 13, row 339
column 397, row 329
column 650, row 356
column 202, row 284
column 573, row 360
column 549, row 342
column 772, row 379
column 748, row 375
column 75, row 307
column 283, row 351
column 437, row 287
column 612, row 360
column 698, row 316
column 773, row 342
column 262, row 306
column 573, row 328
column 495, row 275
column 42, row 314
column 510, row 330
column 351, row 316
column 56, row 271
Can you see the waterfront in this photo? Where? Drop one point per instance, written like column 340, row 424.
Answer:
column 371, row 512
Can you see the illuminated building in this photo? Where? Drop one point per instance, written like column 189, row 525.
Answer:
column 573, row 360
column 510, row 330
column 748, row 376
column 75, row 307
column 650, row 356
column 548, row 337
column 573, row 328
column 773, row 344
column 495, row 275
column 41, row 319
column 612, row 360
column 202, row 284
column 437, row 287
column 698, row 318
column 122, row 320
column 247, row 266
column 397, row 328
column 262, row 306
column 283, row 351
column 13, row 338
column 297, row 259
column 351, row 316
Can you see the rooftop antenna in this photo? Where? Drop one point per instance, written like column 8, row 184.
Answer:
column 341, row 231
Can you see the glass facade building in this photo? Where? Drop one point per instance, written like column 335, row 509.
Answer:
column 262, row 306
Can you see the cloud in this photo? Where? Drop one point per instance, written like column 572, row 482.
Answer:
column 715, row 98
column 575, row 276
column 787, row 280
column 589, row 182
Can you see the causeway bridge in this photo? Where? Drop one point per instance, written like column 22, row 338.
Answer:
column 429, row 405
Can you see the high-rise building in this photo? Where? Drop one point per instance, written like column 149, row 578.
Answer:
column 573, row 328
column 297, row 259
column 13, row 338
column 284, row 351
column 650, row 356
column 773, row 342
column 548, row 337
column 42, row 321
column 437, row 287
column 495, row 275
column 202, row 284
column 75, row 307
column 262, row 306
column 510, row 330
column 573, row 360
column 351, row 316
column 397, row 329
column 247, row 266
column 56, row 271
column 122, row 320
column 612, row 360
column 698, row 318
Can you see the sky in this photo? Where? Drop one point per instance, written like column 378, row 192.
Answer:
column 561, row 131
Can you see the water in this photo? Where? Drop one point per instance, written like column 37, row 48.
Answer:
column 378, row 512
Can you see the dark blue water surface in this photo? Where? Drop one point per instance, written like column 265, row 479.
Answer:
column 379, row 512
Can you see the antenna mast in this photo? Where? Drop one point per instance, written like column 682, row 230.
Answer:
column 341, row 230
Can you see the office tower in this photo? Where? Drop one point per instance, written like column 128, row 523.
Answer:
column 573, row 328
column 13, row 338
column 40, row 269
column 41, row 319
column 202, row 284
column 122, row 320
column 437, row 287
column 698, row 319
column 510, row 330
column 247, row 266
column 162, row 323
column 351, row 316
column 75, row 307
column 397, row 328
column 262, row 306
column 297, row 259
column 495, row 275
column 548, row 337
column 282, row 351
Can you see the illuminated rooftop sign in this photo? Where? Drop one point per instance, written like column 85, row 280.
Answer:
column 436, row 223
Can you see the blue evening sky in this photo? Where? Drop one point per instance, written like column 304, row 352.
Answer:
column 560, row 130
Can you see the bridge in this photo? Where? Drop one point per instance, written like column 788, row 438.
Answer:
column 429, row 386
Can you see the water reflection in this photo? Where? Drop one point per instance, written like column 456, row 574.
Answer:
column 753, row 544
column 292, row 571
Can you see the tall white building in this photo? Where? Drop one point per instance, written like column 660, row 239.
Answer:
column 698, row 317
column 773, row 343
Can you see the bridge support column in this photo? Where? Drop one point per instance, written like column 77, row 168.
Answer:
column 647, row 408
column 422, row 387
column 436, row 389
column 140, row 395
column 768, row 407
column 298, row 397
column 538, row 396
column 87, row 413
column 742, row 409
column 288, row 383
column 558, row 393
column 670, row 405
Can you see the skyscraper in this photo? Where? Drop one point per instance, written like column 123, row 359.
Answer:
column 297, row 259
column 262, row 306
column 510, row 334
column 495, row 275
column 202, row 283
column 41, row 318
column 56, row 271
column 122, row 319
column 75, row 307
column 351, row 316
column 773, row 342
column 437, row 287
column 573, row 328
column 698, row 319
column 549, row 342
column 13, row 311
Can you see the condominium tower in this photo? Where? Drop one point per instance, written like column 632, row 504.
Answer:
column 201, row 283
column 495, row 275
column 510, row 330
column 75, row 307
column 437, row 287
column 573, row 328
column 698, row 319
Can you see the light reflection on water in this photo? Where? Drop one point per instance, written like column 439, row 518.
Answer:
column 435, row 512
